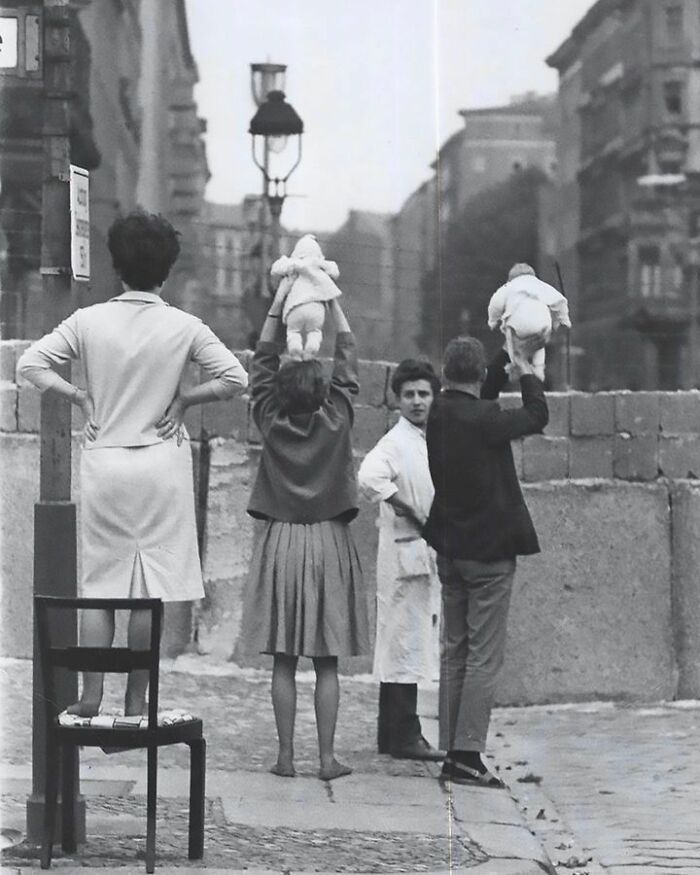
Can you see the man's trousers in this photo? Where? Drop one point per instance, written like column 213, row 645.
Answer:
column 475, row 601
column 398, row 725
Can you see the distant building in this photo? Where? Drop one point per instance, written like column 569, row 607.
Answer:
column 414, row 240
column 494, row 142
column 629, row 85
column 363, row 249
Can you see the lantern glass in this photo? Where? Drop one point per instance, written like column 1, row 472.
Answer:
column 276, row 144
column 265, row 78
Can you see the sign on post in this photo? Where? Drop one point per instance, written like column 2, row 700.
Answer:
column 80, row 223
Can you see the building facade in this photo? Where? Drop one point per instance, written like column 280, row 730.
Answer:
column 633, row 69
column 134, row 126
column 494, row 142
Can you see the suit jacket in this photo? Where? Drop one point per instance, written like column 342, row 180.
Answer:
column 478, row 511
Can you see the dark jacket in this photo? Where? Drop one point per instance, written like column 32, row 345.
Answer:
column 478, row 511
column 306, row 472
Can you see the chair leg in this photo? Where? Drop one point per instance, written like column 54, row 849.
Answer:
column 50, row 800
column 68, row 842
column 198, row 755
column 151, row 796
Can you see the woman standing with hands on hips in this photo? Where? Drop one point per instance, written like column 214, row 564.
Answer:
column 138, row 528
column 305, row 593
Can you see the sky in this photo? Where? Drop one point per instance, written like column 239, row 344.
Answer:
column 378, row 84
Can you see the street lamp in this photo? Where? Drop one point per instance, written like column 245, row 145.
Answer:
column 270, row 128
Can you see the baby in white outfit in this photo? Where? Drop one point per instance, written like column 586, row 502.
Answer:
column 527, row 307
column 311, row 283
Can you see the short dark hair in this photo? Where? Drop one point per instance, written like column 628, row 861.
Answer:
column 144, row 247
column 464, row 360
column 301, row 386
column 410, row 370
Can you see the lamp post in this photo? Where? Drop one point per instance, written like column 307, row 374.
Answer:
column 271, row 127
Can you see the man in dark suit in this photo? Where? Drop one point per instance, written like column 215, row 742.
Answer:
column 478, row 524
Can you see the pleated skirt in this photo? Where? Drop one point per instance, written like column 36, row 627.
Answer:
column 138, row 529
column 305, row 595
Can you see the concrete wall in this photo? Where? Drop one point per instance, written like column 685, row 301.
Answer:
column 610, row 608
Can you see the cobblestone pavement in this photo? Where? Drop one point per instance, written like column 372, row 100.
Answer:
column 617, row 784
column 234, row 845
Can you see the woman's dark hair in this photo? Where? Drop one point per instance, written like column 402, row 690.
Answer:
column 301, row 386
column 464, row 360
column 410, row 370
column 143, row 247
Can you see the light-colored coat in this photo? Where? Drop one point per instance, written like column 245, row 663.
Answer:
column 408, row 588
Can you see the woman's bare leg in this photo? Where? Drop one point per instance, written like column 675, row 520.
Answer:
column 284, row 703
column 326, row 700
column 139, row 638
column 96, row 630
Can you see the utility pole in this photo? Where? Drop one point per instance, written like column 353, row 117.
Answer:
column 55, row 565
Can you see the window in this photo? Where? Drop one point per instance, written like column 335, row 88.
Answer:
column 673, row 97
column 674, row 23
column 650, row 271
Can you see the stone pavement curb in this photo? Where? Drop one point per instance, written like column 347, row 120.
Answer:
column 492, row 867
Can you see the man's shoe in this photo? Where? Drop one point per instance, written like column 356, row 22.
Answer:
column 458, row 773
column 419, row 750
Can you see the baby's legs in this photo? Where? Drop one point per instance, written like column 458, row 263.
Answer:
column 284, row 704
column 538, row 360
column 313, row 344
column 139, row 638
column 295, row 343
column 96, row 630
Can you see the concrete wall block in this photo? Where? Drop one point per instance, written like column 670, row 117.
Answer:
column 226, row 418
column 592, row 414
column 8, row 406
column 559, row 424
column 636, row 457
column 591, row 457
column 545, row 458
column 680, row 412
column 374, row 378
column 638, row 412
column 28, row 409
column 679, row 457
column 564, row 640
column 370, row 424
column 685, row 586
column 510, row 401
column 8, row 361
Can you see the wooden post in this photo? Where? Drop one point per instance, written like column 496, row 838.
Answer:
column 54, row 514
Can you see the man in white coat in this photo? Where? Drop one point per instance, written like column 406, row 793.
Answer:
column 396, row 474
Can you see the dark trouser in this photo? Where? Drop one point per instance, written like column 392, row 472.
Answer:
column 398, row 725
column 475, row 601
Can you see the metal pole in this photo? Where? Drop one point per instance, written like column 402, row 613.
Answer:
column 264, row 266
column 568, row 331
column 693, row 333
column 54, row 514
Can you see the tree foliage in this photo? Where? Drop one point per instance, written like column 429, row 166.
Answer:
column 496, row 228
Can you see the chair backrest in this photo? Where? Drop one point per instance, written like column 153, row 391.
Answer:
column 99, row 659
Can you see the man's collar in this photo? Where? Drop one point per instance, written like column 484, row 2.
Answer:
column 466, row 392
column 142, row 297
column 408, row 426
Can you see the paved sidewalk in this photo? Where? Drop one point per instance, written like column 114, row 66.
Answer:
column 389, row 816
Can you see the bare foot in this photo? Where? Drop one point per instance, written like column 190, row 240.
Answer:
column 334, row 770
column 283, row 770
column 84, row 709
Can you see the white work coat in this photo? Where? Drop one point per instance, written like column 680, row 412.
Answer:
column 408, row 589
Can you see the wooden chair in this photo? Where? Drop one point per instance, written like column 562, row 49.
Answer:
column 150, row 734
